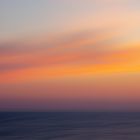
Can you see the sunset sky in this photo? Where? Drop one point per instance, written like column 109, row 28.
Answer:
column 69, row 55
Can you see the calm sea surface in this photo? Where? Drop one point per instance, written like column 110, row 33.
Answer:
column 69, row 126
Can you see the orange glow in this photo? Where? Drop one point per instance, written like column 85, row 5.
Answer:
column 87, row 53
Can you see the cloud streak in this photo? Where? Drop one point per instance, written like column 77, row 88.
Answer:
column 79, row 53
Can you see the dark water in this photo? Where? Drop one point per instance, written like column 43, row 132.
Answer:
column 69, row 126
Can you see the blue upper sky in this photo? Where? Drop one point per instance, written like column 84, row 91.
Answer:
column 22, row 17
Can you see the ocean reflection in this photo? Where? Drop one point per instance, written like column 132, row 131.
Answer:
column 69, row 126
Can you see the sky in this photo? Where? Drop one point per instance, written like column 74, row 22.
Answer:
column 61, row 55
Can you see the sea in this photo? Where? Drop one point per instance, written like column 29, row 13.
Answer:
column 69, row 126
